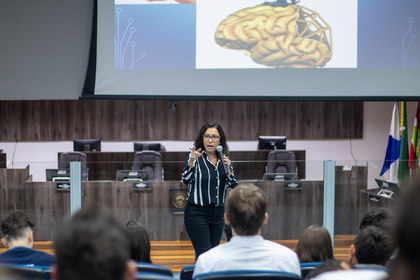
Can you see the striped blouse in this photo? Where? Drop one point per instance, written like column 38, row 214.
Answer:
column 206, row 182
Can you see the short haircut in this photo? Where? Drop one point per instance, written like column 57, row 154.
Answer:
column 92, row 245
column 16, row 226
column 373, row 246
column 314, row 245
column 139, row 241
column 378, row 217
column 245, row 208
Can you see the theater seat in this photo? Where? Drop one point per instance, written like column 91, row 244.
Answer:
column 149, row 161
column 66, row 158
column 187, row 272
column 22, row 272
column 247, row 275
column 305, row 268
column 153, row 268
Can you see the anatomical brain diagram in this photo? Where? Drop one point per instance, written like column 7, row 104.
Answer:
column 282, row 37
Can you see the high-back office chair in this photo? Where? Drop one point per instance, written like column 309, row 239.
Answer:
column 141, row 146
column 150, row 161
column 247, row 275
column 66, row 158
column 281, row 161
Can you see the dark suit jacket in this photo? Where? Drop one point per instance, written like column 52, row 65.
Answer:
column 25, row 255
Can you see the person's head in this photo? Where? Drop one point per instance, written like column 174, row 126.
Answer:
column 139, row 241
column 17, row 229
column 378, row 217
column 210, row 136
column 407, row 235
column 372, row 246
column 314, row 245
column 246, row 210
column 92, row 245
column 328, row 265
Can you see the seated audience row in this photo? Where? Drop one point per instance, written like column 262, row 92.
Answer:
column 93, row 245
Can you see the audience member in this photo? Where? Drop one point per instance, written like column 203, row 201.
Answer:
column 139, row 241
column 406, row 266
column 328, row 265
column 372, row 247
column 382, row 218
column 19, row 238
column 92, row 245
column 314, row 245
column 245, row 212
column 378, row 217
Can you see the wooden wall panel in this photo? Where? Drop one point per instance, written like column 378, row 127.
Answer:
column 135, row 120
column 348, row 208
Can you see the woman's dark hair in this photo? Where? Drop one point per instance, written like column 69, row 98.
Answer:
column 139, row 241
column 199, row 139
column 314, row 245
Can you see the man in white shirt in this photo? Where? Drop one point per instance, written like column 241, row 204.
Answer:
column 245, row 212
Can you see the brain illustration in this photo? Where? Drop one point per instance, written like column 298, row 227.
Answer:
column 281, row 37
column 179, row 1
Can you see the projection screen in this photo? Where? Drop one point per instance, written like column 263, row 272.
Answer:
column 249, row 49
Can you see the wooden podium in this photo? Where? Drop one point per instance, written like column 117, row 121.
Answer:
column 369, row 200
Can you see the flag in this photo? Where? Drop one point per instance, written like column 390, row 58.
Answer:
column 413, row 158
column 389, row 170
column 403, row 170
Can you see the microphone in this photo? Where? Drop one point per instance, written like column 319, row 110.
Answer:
column 219, row 150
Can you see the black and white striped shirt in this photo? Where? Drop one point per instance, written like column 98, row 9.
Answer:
column 206, row 182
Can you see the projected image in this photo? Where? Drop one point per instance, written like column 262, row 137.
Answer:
column 179, row 1
column 152, row 36
column 276, row 34
column 389, row 34
column 158, row 1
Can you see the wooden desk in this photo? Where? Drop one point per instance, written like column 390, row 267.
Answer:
column 369, row 200
column 248, row 165
column 290, row 210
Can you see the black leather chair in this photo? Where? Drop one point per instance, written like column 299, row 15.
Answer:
column 141, row 146
column 151, row 162
column 247, row 275
column 66, row 158
column 281, row 162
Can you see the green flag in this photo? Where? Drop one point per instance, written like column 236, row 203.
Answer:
column 403, row 170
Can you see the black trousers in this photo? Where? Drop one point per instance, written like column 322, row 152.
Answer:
column 204, row 225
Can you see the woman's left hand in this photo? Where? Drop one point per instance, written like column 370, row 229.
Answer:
column 227, row 161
